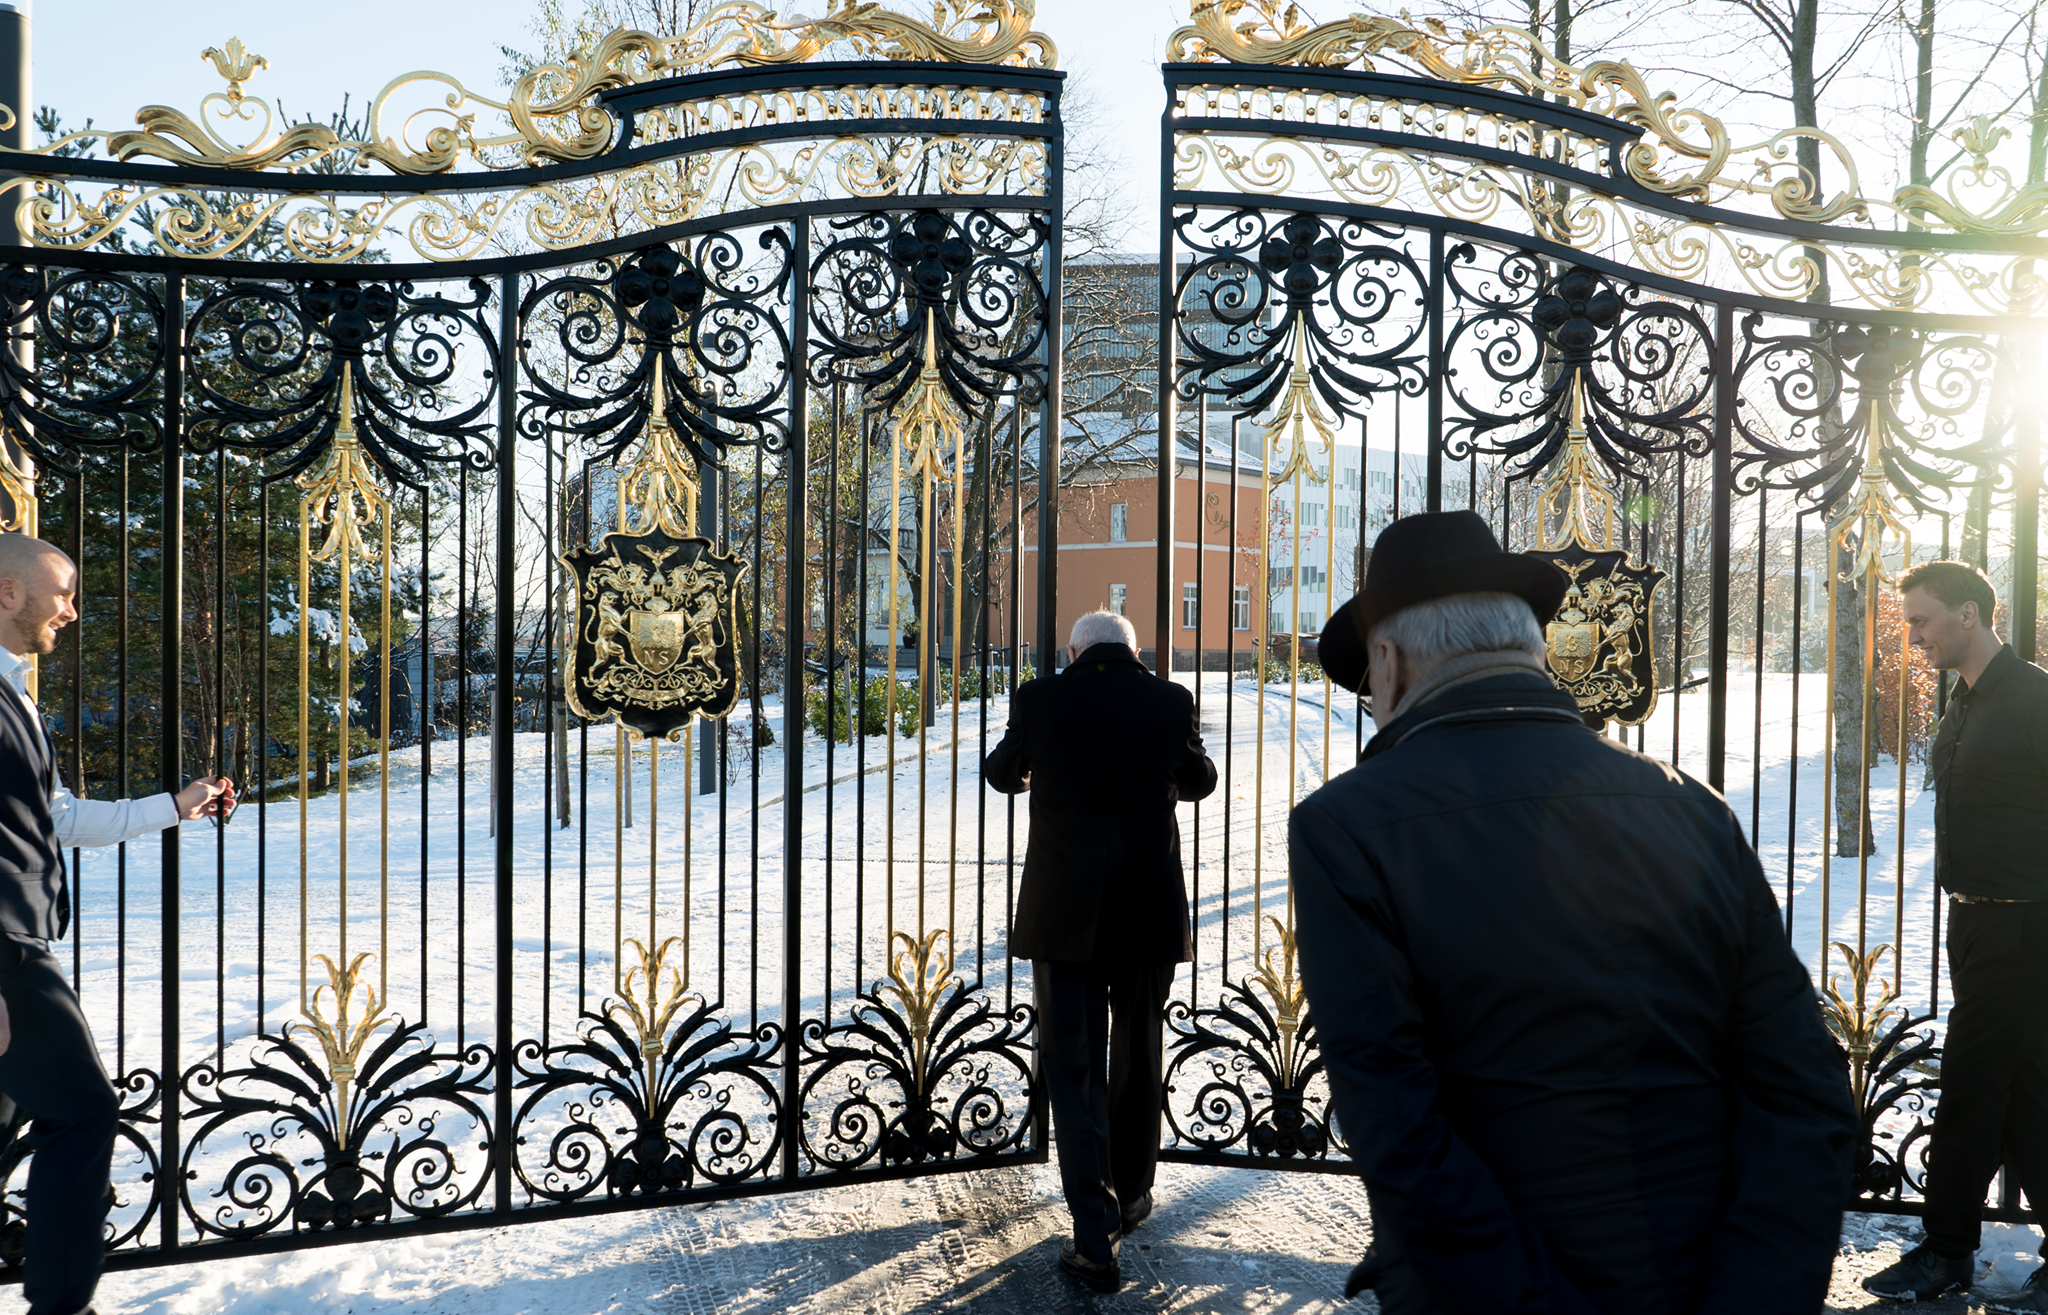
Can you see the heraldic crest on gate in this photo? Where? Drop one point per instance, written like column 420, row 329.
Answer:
column 656, row 626
column 1600, row 647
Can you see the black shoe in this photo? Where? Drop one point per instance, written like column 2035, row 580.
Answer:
column 1137, row 1212
column 2031, row 1299
column 1101, row 1275
column 1922, row 1274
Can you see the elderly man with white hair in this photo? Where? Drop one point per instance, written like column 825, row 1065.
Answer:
column 1570, row 1051
column 1106, row 749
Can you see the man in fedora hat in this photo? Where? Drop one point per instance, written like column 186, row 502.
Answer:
column 1576, row 1062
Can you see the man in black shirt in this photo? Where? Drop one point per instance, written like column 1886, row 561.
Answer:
column 1990, row 761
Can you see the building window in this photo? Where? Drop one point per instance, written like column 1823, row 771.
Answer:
column 1119, row 525
column 1117, row 594
column 1189, row 607
column 1241, row 607
column 1312, row 579
column 1282, row 578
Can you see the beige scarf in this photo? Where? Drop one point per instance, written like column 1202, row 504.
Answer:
column 1462, row 669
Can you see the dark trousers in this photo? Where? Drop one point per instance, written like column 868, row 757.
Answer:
column 1105, row 1126
column 52, row 1072
column 1994, row 1070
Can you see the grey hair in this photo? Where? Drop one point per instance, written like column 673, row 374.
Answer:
column 1428, row 633
column 1103, row 628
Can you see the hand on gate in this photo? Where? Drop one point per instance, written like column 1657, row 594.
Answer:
column 209, row 796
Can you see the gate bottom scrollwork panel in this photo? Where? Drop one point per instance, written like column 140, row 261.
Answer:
column 133, row 1180
column 351, row 1129
column 925, row 1070
column 660, row 1092
column 1245, row 1078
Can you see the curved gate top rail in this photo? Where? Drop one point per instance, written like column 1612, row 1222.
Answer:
column 641, row 137
column 1486, row 133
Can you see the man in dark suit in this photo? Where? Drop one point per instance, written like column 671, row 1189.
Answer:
column 49, row 1067
column 1577, row 1064
column 1106, row 749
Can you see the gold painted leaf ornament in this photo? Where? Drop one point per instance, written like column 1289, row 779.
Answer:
column 656, row 638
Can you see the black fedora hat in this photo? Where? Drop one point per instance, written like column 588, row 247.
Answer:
column 1432, row 555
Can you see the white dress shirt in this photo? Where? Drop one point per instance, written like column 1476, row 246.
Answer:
column 89, row 823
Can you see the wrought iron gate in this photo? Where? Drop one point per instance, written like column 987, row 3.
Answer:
column 597, row 542
column 714, row 395
column 1403, row 269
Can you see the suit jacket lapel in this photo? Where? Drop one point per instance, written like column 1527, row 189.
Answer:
column 32, row 728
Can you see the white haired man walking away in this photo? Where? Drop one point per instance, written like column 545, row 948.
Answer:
column 50, row 1069
column 1577, row 1064
column 1106, row 749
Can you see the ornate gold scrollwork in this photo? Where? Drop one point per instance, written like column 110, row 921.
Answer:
column 1600, row 646
column 920, row 974
column 656, row 626
column 928, row 423
column 653, row 1012
column 342, row 1042
column 1858, row 1023
column 550, row 113
column 1296, row 415
column 18, row 503
column 1290, row 1000
column 1684, row 152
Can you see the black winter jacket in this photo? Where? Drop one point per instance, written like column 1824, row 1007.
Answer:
column 1576, row 1062
column 1109, row 749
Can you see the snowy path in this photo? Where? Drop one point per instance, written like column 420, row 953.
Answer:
column 1222, row 1241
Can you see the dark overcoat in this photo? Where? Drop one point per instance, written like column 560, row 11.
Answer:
column 1109, row 749
column 1576, row 1062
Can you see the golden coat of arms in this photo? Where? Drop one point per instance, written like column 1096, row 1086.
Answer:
column 1599, row 646
column 656, row 636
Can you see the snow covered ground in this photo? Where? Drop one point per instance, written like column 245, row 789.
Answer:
column 1221, row 1241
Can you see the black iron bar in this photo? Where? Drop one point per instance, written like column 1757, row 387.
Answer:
column 74, row 722
column 1798, row 670
column 1756, row 732
column 2026, row 512
column 219, row 746
column 127, row 792
column 829, row 632
column 171, row 598
column 501, row 722
column 463, row 639
column 860, row 708
column 1433, row 441
column 1721, row 529
column 795, row 594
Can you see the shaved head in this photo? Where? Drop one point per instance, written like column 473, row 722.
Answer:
column 38, row 584
column 21, row 555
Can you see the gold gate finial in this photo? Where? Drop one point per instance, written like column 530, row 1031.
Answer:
column 342, row 494
column 928, row 421
column 1297, row 413
column 1575, row 506
column 659, row 485
column 234, row 63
